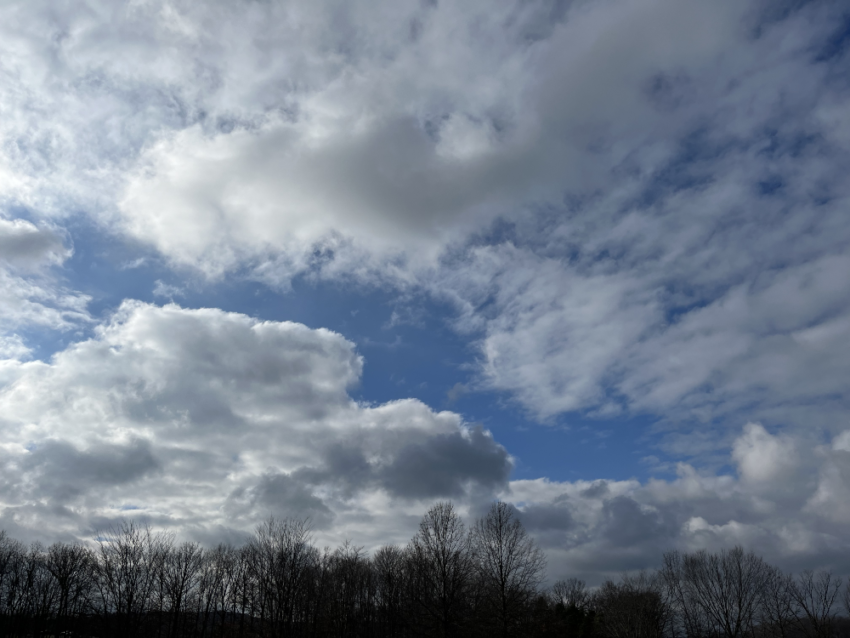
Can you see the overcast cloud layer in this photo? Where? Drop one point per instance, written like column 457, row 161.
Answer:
column 633, row 211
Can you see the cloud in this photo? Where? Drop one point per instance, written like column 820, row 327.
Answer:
column 268, row 136
column 455, row 392
column 684, row 202
column 610, row 194
column 600, row 529
column 762, row 457
column 704, row 282
column 205, row 420
column 39, row 302
column 24, row 245
column 634, row 208
column 30, row 296
column 410, row 144
column 62, row 471
column 282, row 496
column 162, row 289
column 443, row 465
column 13, row 347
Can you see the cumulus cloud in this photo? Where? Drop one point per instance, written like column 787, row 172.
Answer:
column 63, row 472
column 441, row 466
column 762, row 457
column 13, row 347
column 399, row 152
column 206, row 420
column 601, row 528
column 672, row 281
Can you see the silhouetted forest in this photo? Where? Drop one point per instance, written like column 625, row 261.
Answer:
column 447, row 581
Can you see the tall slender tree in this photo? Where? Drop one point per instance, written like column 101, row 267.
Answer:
column 441, row 567
column 509, row 566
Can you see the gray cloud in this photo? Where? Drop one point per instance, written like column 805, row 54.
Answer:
column 787, row 509
column 627, row 525
column 554, row 517
column 64, row 471
column 29, row 295
column 282, row 496
column 345, row 464
column 24, row 245
column 442, row 465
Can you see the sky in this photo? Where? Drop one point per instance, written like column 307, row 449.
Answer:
column 342, row 260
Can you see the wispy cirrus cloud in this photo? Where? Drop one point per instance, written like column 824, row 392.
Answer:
column 30, row 295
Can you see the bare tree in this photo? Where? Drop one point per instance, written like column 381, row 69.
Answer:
column 280, row 557
column 129, row 559
column 350, row 588
column 445, row 583
column 12, row 559
column 634, row 608
column 717, row 593
column 179, row 581
column 571, row 592
column 228, row 590
column 30, row 591
column 72, row 567
column 778, row 613
column 242, row 591
column 509, row 566
column 389, row 565
column 11, row 556
column 689, row 618
column 566, row 609
column 815, row 594
column 441, row 568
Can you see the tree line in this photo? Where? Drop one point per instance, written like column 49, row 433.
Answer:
column 448, row 581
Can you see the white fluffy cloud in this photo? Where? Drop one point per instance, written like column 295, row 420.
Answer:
column 428, row 128
column 205, row 421
column 263, row 131
column 762, row 457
